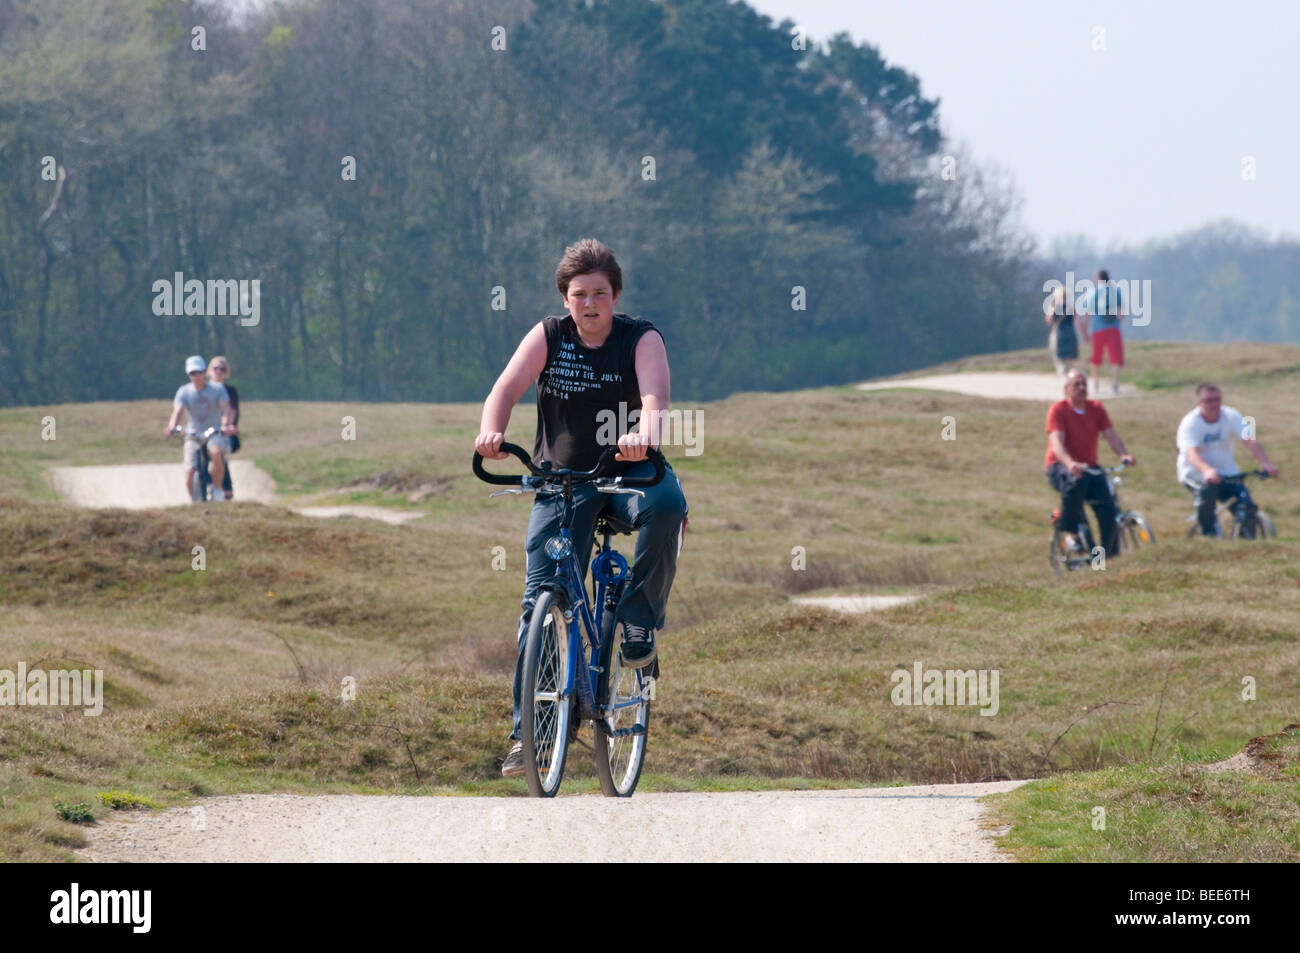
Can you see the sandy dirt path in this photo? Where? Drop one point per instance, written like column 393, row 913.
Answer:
column 931, row 823
column 1003, row 385
column 854, row 603
column 149, row 485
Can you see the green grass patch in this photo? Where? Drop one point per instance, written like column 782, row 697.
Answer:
column 126, row 801
column 1182, row 812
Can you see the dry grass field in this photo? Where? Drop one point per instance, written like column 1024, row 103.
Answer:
column 229, row 679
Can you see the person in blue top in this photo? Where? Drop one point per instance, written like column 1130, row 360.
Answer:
column 1106, row 305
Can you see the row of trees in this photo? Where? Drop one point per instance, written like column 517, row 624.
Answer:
column 401, row 177
column 1221, row 282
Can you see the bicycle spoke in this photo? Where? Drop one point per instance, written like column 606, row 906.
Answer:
column 548, row 713
column 625, row 712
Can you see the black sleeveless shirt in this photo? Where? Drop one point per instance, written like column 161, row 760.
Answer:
column 580, row 389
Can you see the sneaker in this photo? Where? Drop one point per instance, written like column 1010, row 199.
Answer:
column 638, row 646
column 513, row 767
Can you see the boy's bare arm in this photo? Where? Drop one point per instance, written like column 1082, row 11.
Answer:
column 524, row 368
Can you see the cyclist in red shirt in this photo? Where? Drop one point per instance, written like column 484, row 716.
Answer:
column 1073, row 425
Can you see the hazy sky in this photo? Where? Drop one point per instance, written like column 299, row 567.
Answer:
column 1141, row 140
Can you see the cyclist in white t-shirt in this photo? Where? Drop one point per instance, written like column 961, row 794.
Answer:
column 1207, row 439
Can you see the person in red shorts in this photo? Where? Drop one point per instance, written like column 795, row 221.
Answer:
column 1073, row 425
column 1103, row 311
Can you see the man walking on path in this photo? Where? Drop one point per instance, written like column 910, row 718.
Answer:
column 1105, row 302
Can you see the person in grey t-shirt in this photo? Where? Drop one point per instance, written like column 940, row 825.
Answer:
column 208, row 407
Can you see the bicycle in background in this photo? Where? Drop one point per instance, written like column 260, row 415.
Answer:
column 1248, row 520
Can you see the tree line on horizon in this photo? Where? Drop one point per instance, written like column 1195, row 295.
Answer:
column 1223, row 281
column 400, row 178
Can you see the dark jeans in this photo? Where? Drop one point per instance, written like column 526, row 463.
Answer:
column 1208, row 495
column 1093, row 488
column 234, row 445
column 658, row 519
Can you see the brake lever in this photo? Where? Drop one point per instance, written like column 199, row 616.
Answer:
column 621, row 489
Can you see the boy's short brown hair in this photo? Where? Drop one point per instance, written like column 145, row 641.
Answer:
column 583, row 258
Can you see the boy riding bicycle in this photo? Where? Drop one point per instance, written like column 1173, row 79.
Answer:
column 1207, row 461
column 586, row 365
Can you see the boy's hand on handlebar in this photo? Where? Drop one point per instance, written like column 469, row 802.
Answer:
column 1270, row 470
column 1077, row 467
column 488, row 445
column 1128, row 460
column 1211, row 475
column 632, row 447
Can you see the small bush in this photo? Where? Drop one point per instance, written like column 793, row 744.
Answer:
column 76, row 813
column 125, row 801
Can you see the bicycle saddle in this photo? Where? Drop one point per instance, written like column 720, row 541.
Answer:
column 609, row 523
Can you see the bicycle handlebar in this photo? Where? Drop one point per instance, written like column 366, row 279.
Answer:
column 178, row 430
column 501, row 479
column 1122, row 466
column 1262, row 474
column 561, row 474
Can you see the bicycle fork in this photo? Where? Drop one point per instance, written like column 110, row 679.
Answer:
column 609, row 572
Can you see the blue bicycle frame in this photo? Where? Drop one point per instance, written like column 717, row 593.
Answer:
column 609, row 570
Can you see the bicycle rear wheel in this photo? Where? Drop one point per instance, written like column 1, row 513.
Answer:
column 1135, row 531
column 621, row 731
column 544, row 712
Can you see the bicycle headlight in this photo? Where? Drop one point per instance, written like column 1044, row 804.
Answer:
column 559, row 548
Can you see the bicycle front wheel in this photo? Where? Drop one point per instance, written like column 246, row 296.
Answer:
column 621, row 729
column 1057, row 556
column 544, row 710
column 1255, row 526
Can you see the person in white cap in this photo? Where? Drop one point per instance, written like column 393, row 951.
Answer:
column 207, row 405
